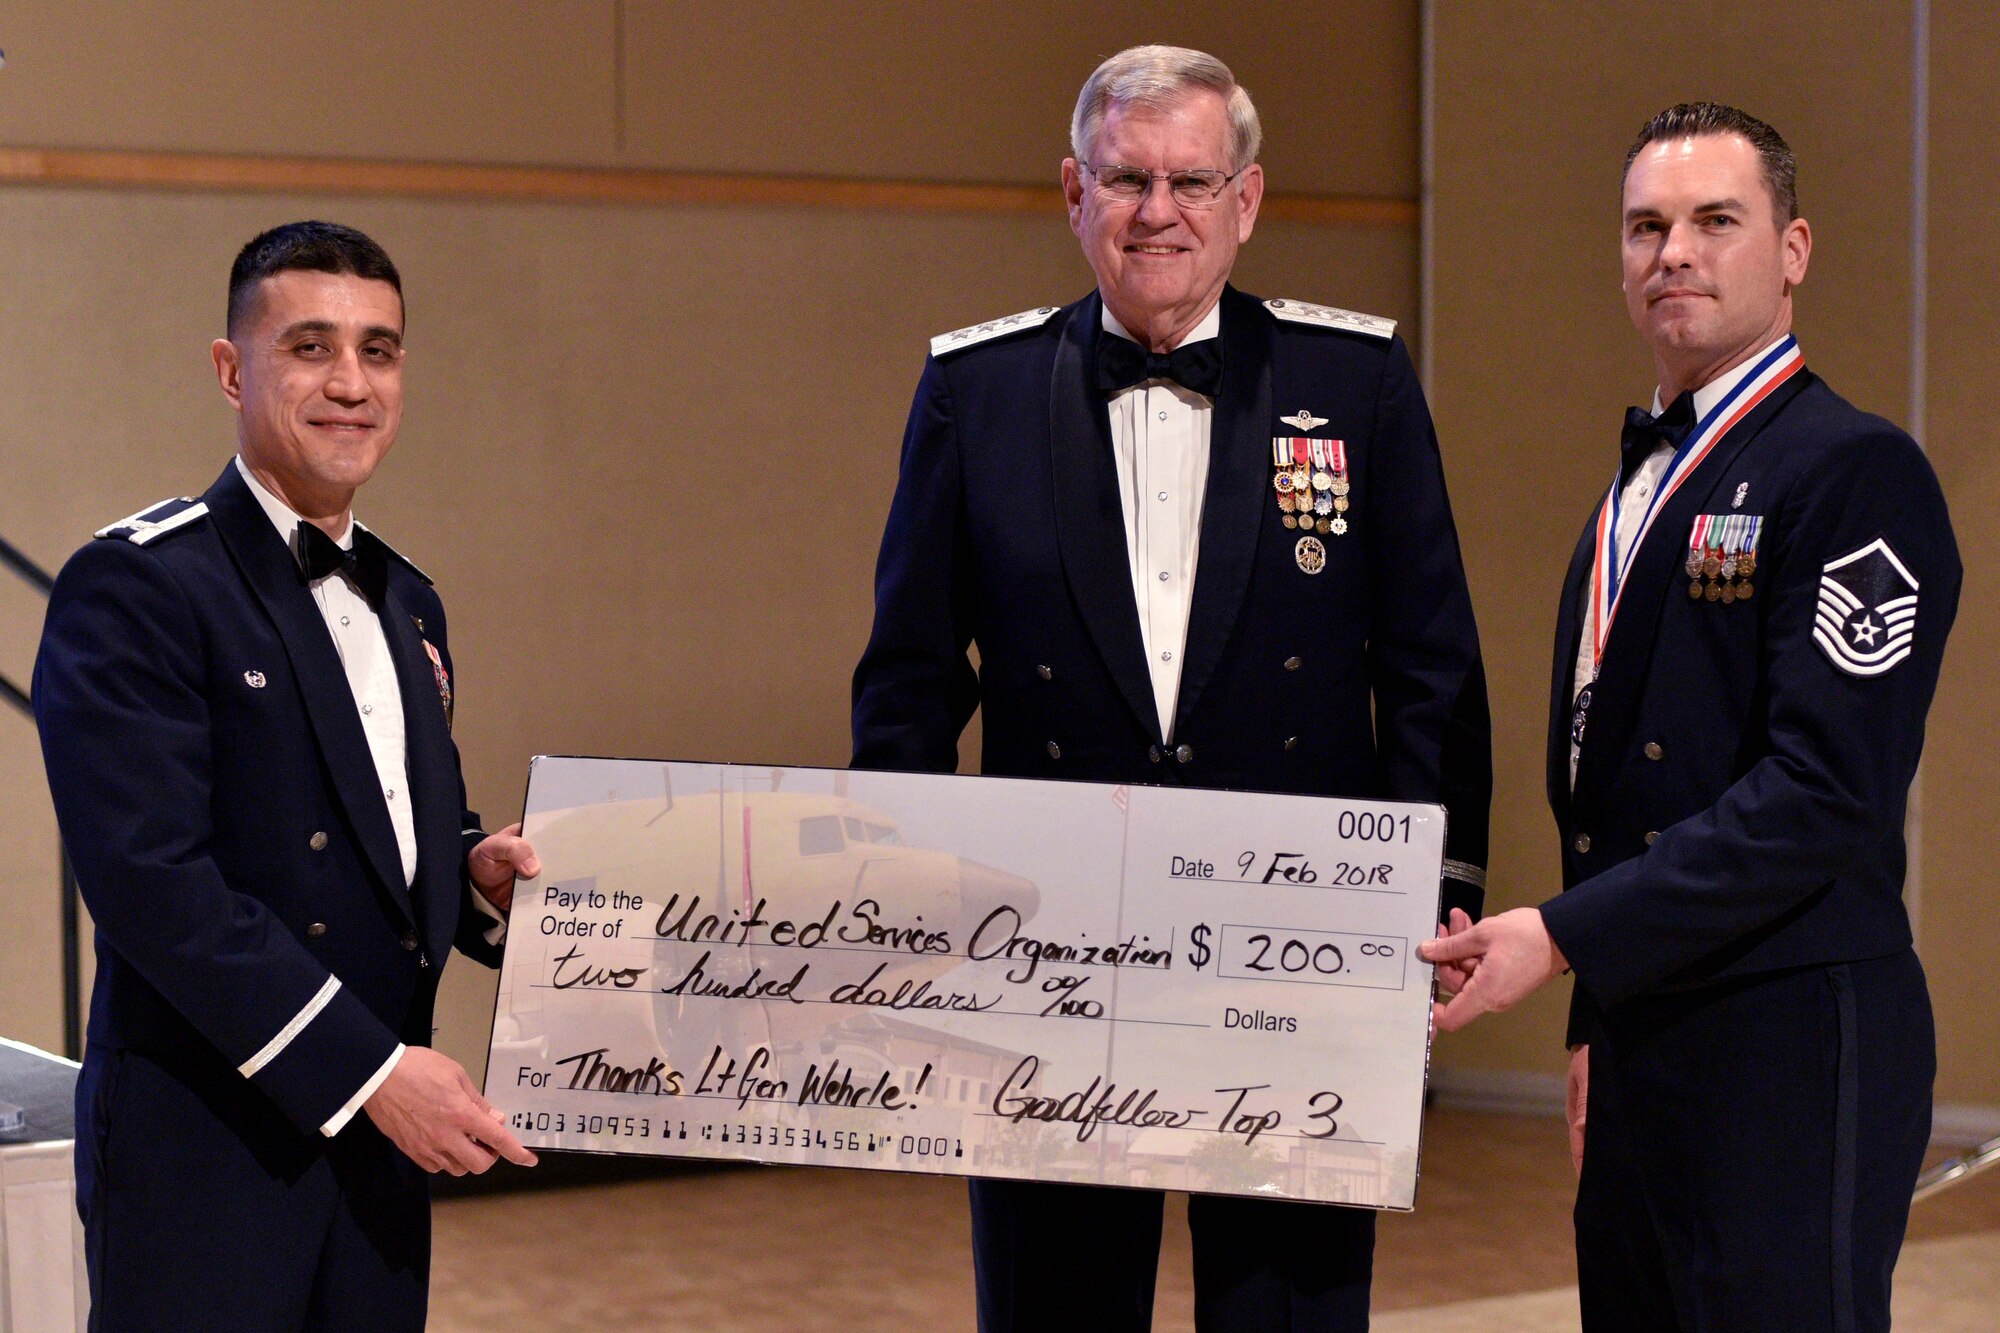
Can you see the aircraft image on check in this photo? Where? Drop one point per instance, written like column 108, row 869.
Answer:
column 716, row 900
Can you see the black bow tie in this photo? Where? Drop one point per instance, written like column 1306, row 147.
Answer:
column 1645, row 432
column 319, row 555
column 1122, row 363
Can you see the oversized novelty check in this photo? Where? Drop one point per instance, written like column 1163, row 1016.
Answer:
column 1145, row 986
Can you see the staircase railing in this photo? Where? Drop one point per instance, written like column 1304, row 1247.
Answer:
column 72, row 913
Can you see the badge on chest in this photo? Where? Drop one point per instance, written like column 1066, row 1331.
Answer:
column 1313, row 492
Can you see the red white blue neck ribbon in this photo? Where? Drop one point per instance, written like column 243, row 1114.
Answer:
column 1611, row 565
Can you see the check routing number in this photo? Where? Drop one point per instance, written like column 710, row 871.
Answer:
column 1148, row 986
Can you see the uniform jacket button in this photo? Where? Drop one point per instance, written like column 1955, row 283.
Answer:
column 1045, row 673
column 315, row 930
column 1582, row 843
column 1294, row 663
column 1652, row 837
column 1184, row 752
column 1653, row 750
column 1153, row 753
column 1291, row 742
column 409, row 941
column 1055, row 751
column 317, row 842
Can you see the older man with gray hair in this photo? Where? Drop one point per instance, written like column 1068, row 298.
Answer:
column 1200, row 540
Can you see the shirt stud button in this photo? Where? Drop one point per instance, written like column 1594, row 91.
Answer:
column 1167, row 655
column 344, row 620
column 1163, row 576
column 367, row 709
column 391, row 793
column 1163, row 496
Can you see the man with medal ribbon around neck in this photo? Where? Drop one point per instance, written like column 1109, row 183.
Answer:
column 1199, row 539
column 1747, row 645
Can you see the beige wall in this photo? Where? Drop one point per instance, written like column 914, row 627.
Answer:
column 648, row 450
column 1534, row 360
column 1961, row 808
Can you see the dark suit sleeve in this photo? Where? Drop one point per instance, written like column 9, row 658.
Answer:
column 119, row 699
column 473, row 922
column 1842, row 747
column 1433, row 737
column 915, row 689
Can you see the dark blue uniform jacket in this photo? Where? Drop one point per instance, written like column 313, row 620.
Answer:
column 217, row 795
column 1363, row 680
column 1742, row 783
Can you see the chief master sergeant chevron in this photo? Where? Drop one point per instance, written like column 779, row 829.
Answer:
column 245, row 707
column 1200, row 539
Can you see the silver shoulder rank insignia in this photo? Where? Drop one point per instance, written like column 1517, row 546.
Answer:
column 974, row 334
column 1331, row 317
column 1867, row 612
column 1304, row 420
column 156, row 520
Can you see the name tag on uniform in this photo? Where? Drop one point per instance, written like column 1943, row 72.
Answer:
column 1146, row 986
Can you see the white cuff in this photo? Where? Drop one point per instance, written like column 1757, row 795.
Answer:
column 497, row 932
column 346, row 1113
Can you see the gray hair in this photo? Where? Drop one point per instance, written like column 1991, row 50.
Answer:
column 1160, row 77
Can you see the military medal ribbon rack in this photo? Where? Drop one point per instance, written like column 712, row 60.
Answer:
column 1722, row 556
column 1314, row 493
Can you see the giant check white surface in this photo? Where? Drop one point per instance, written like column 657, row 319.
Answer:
column 1145, row 986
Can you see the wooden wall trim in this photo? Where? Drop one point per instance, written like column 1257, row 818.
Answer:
column 582, row 185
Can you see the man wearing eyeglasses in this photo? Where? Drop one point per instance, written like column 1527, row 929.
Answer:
column 1201, row 540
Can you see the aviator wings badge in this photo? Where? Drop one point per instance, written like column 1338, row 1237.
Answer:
column 1304, row 420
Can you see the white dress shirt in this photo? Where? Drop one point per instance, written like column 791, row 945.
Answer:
column 363, row 647
column 1632, row 502
column 1159, row 438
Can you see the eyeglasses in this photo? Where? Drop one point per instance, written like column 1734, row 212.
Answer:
column 1190, row 189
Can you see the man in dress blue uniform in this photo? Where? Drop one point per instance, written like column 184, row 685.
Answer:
column 245, row 706
column 1747, row 645
column 1199, row 539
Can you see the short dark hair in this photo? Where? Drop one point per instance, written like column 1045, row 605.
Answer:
column 1696, row 119
column 315, row 247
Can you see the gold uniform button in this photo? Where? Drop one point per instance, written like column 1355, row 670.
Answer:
column 317, row 842
column 1153, row 753
column 315, row 930
column 1652, row 837
column 1293, row 663
column 1184, row 752
column 1653, row 750
column 1582, row 843
column 1291, row 742
column 1055, row 751
column 1045, row 673
column 409, row 942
